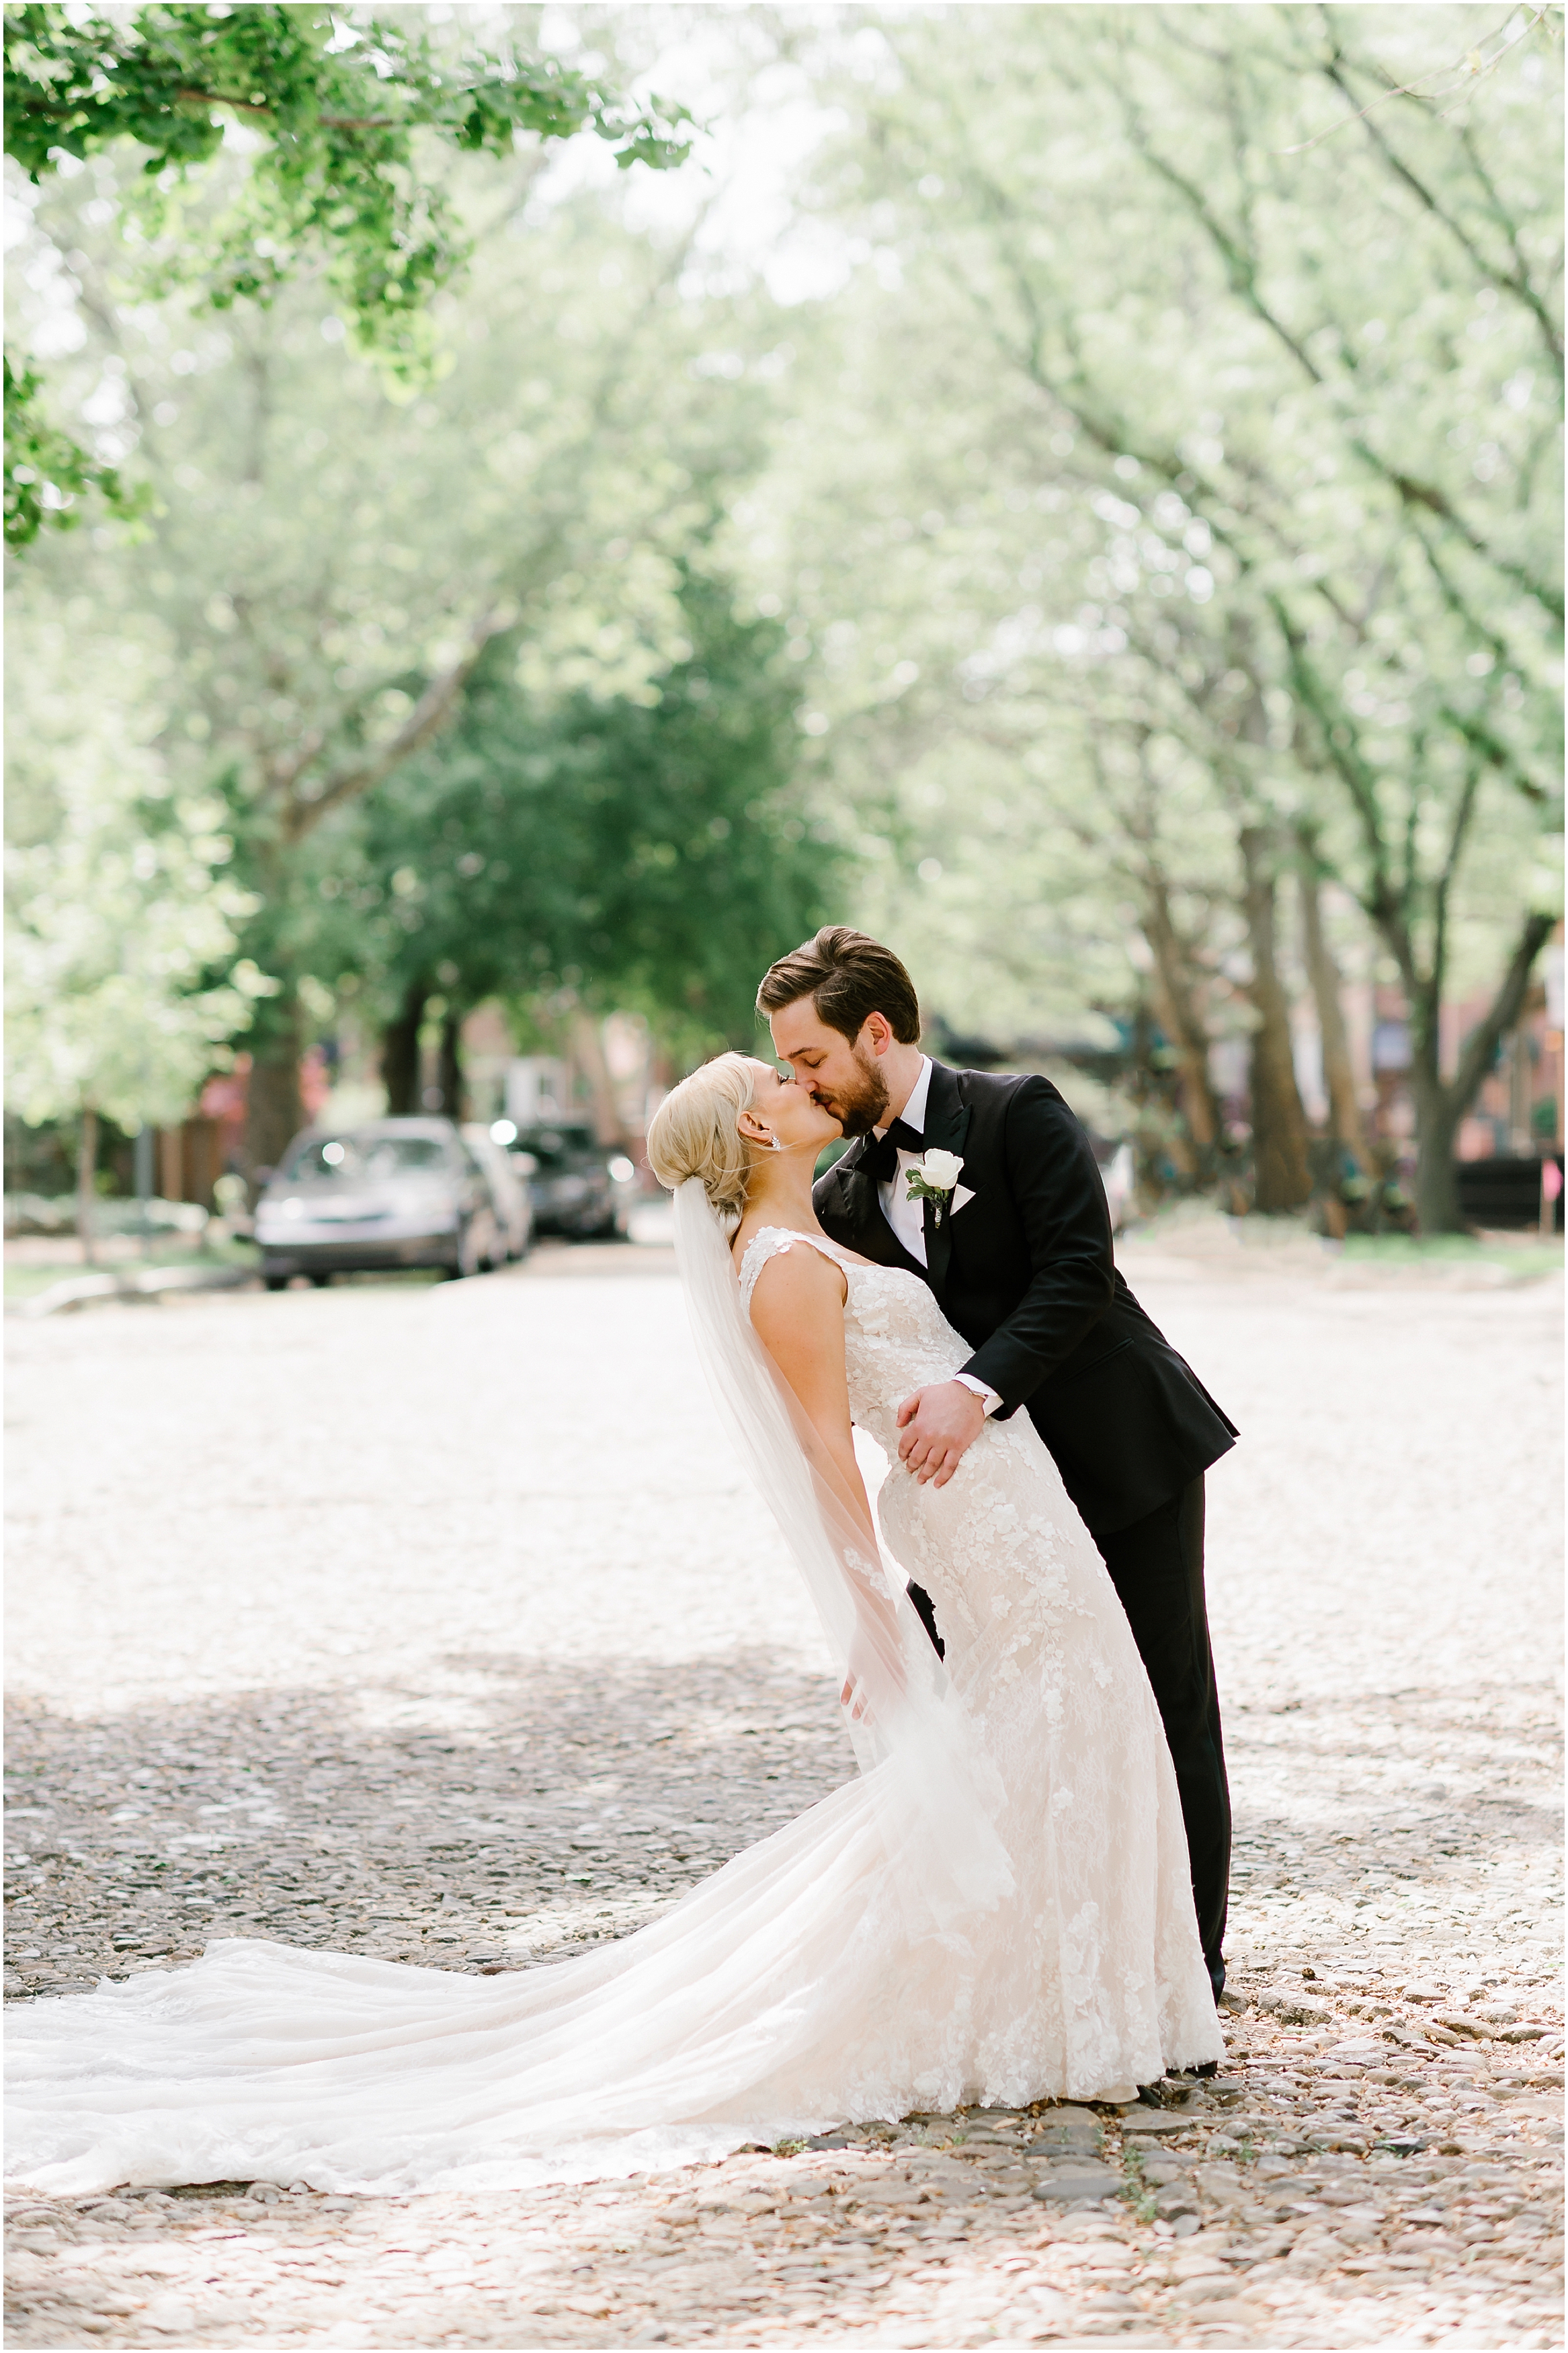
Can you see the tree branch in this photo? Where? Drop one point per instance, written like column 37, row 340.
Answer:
column 1444, row 883
column 1337, row 736
column 1413, row 90
column 1520, row 281
column 1512, row 281
column 1503, row 1014
column 429, row 715
column 1494, row 752
column 1241, row 275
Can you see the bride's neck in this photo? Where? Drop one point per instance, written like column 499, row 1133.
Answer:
column 779, row 1192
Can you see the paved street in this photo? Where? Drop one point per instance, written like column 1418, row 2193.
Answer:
column 438, row 1623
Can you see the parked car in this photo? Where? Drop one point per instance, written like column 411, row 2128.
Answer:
column 389, row 1193
column 577, row 1186
column 509, row 1189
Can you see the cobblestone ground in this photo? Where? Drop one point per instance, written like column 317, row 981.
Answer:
column 440, row 1624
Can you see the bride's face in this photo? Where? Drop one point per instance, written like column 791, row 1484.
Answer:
column 780, row 1108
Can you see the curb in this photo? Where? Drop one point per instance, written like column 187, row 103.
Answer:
column 87, row 1290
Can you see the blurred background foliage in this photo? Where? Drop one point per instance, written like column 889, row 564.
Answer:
column 1074, row 489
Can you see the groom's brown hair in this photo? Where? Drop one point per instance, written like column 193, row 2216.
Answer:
column 848, row 975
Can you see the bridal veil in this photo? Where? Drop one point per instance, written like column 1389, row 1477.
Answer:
column 938, row 1793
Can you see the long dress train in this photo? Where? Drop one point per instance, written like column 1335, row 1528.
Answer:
column 796, row 1988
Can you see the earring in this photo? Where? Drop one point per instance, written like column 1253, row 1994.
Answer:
column 774, row 1144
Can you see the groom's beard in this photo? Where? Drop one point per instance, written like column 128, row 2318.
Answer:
column 863, row 1106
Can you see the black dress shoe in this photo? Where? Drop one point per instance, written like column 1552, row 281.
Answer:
column 1171, row 2091
column 1204, row 2067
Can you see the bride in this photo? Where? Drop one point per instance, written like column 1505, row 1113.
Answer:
column 996, row 1909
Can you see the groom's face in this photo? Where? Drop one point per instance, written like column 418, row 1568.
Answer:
column 843, row 1074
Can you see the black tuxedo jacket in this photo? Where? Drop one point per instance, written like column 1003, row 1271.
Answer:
column 1025, row 1271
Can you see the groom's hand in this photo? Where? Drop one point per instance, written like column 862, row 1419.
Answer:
column 939, row 1424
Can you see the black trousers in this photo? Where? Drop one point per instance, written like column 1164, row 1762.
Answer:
column 1157, row 1568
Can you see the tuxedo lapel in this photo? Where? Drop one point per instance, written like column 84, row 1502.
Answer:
column 946, row 1125
column 947, row 1114
column 869, row 1231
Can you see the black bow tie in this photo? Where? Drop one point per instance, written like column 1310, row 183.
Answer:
column 880, row 1157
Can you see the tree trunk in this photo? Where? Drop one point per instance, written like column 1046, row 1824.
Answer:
column 1440, row 1108
column 449, row 1065
column 400, row 1053
column 1339, row 1077
column 1175, row 1004
column 588, row 1049
column 1438, row 1111
column 142, row 1164
column 86, row 1172
column 1281, row 1178
column 1519, row 1139
column 274, row 1111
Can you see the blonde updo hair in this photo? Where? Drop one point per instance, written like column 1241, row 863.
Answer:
column 694, row 1133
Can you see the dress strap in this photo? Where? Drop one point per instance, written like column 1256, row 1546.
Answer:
column 772, row 1241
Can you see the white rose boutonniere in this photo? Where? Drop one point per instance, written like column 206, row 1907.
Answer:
column 932, row 1179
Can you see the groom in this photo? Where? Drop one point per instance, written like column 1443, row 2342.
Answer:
column 1018, row 1248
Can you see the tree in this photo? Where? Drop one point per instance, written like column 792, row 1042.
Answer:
column 124, row 981
column 333, row 104
column 1346, row 1126
column 643, row 851
column 330, row 564
column 1021, row 806
column 1308, row 385
column 1407, row 882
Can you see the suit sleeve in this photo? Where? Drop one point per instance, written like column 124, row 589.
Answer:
column 1057, row 1190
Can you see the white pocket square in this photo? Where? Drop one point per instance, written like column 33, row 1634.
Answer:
column 961, row 1193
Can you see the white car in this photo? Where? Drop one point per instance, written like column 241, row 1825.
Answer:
column 391, row 1193
column 508, row 1190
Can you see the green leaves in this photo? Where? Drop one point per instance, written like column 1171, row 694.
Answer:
column 340, row 110
column 649, row 849
column 73, row 82
column 333, row 97
column 123, row 977
column 46, row 470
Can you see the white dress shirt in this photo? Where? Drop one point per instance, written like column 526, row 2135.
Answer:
column 907, row 1218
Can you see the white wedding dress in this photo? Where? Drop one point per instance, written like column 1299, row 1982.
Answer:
column 804, row 1984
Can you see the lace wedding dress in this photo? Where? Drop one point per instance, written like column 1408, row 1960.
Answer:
column 821, row 1976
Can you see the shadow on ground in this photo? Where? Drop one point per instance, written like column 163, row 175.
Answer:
column 505, row 1811
column 501, row 1810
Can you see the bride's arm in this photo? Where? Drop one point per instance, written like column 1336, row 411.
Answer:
column 797, row 1313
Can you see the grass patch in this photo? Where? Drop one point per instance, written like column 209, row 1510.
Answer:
column 1141, row 2195
column 26, row 1282
column 1527, row 1255
column 24, row 1278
